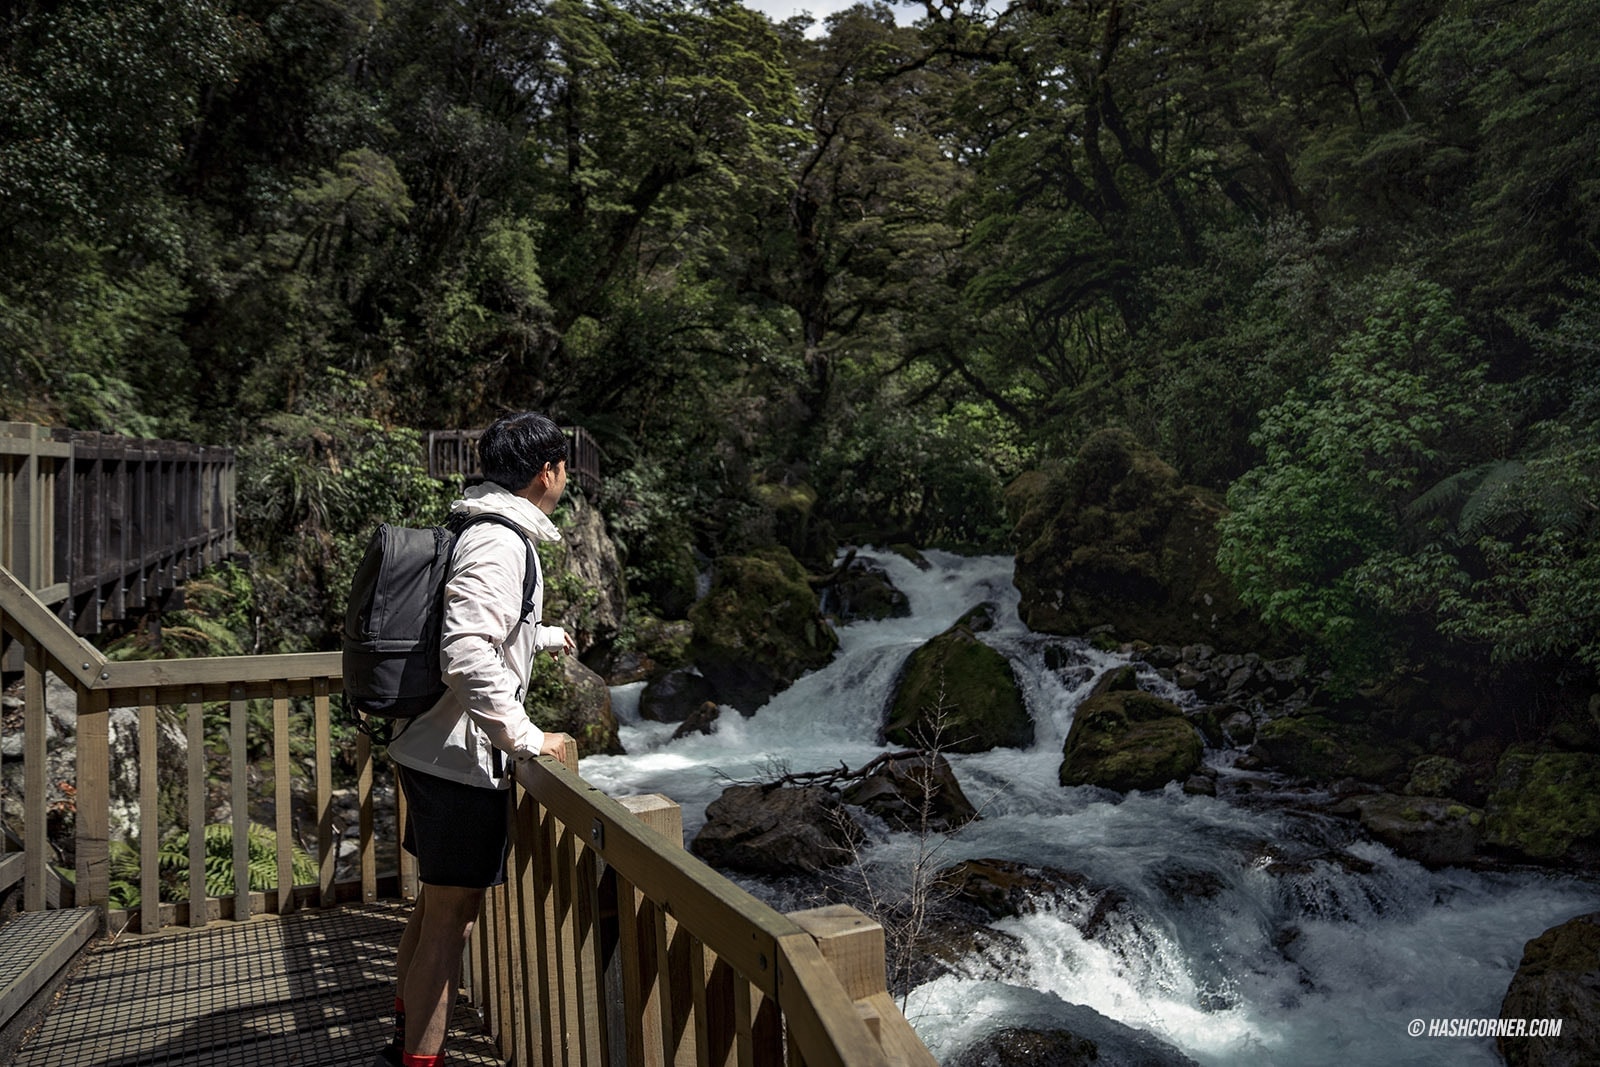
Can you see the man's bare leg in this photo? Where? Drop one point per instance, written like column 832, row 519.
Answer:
column 430, row 959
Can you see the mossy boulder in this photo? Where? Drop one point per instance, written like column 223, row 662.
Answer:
column 584, row 588
column 1024, row 493
column 1435, row 776
column 862, row 590
column 1119, row 541
column 1126, row 739
column 796, row 523
column 1559, row 978
column 1316, row 747
column 1546, row 805
column 567, row 697
column 758, row 629
column 1434, row 831
column 957, row 694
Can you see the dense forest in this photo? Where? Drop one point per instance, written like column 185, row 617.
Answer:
column 1339, row 259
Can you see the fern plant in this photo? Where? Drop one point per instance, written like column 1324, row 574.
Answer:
column 172, row 864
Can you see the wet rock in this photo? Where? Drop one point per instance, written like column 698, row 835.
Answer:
column 1117, row 680
column 911, row 555
column 1085, row 1038
column 624, row 667
column 703, row 720
column 1126, row 740
column 863, row 591
column 1001, row 889
column 1199, row 785
column 1019, row 1047
column 1559, row 978
column 980, row 618
column 1434, row 831
column 1546, row 805
column 1314, row 746
column 675, row 696
column 957, row 694
column 915, row 793
column 1250, row 760
column 1181, row 883
column 1159, row 656
column 758, row 629
column 783, row 830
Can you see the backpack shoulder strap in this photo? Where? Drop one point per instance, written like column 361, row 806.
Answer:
column 530, row 572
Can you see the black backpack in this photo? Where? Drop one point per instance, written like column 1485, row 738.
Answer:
column 396, row 611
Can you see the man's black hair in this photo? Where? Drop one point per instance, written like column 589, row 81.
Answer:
column 515, row 448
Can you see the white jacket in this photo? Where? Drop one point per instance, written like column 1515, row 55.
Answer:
column 487, row 650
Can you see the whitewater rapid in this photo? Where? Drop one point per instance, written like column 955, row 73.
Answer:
column 1244, row 933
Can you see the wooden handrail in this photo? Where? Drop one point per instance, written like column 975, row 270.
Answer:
column 609, row 942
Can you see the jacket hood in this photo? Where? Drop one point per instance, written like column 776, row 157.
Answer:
column 489, row 498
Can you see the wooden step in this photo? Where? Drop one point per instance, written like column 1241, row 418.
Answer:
column 34, row 947
column 11, row 869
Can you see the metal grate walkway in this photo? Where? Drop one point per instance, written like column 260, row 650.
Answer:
column 312, row 989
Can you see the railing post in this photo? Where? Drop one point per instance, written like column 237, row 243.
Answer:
column 199, row 895
column 94, row 800
column 283, row 797
column 369, row 861
column 643, row 940
column 853, row 946
column 35, row 833
column 327, row 850
column 149, row 826
column 239, row 767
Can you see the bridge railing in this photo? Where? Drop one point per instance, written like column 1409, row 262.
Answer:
column 609, row 943
column 100, row 526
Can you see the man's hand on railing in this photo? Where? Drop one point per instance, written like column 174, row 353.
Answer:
column 556, row 745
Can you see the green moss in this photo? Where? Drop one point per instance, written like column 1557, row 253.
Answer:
column 1128, row 739
column 1119, row 541
column 958, row 694
column 797, row 499
column 759, row 628
column 1544, row 803
column 1314, row 746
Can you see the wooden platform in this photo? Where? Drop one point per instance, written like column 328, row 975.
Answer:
column 313, row 989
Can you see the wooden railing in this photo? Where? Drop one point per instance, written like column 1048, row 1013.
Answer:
column 609, row 943
column 455, row 452
column 100, row 526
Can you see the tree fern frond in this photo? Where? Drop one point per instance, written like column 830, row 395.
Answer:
column 1496, row 506
column 1444, row 497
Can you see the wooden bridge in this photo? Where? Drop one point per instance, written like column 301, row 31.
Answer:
column 103, row 528
column 610, row 944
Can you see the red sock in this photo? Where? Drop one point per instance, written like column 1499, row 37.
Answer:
column 412, row 1059
column 398, row 1038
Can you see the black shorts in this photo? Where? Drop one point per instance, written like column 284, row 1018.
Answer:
column 459, row 833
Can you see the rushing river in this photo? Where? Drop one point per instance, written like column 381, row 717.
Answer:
column 1246, row 932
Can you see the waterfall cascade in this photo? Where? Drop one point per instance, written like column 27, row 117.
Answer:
column 1259, row 932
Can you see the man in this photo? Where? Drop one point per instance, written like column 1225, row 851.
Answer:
column 453, row 759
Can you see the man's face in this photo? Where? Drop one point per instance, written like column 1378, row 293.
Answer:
column 551, row 482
